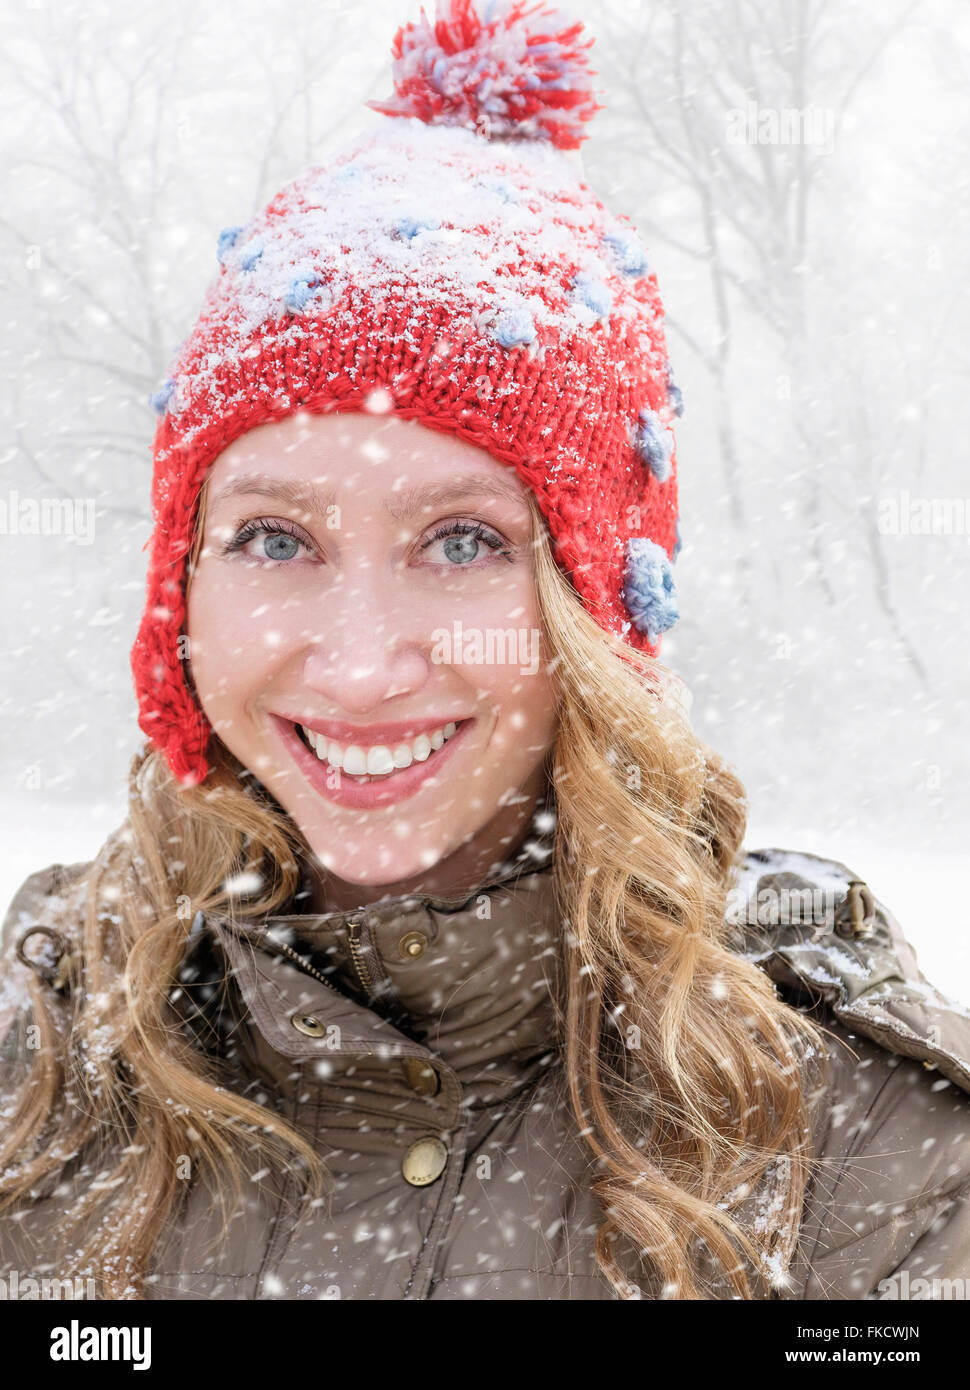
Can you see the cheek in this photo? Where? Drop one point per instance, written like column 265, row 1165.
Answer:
column 506, row 599
column 525, row 699
column 210, row 618
column 236, row 637
column 516, row 680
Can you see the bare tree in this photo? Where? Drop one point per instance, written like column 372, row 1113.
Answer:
column 710, row 91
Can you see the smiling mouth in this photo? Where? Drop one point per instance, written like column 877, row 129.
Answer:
column 380, row 762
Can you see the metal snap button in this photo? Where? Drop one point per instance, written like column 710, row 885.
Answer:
column 62, row 977
column 424, row 1162
column 412, row 944
column 306, row 1023
column 856, row 915
column 422, row 1076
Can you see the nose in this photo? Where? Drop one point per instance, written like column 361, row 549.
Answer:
column 371, row 646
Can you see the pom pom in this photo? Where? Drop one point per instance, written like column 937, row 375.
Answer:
column 307, row 292
column 594, row 293
column 250, row 254
column 654, row 443
column 516, row 71
column 514, row 327
column 299, row 295
column 227, row 240
column 629, row 251
column 407, row 228
column 649, row 592
column 675, row 397
column 161, row 398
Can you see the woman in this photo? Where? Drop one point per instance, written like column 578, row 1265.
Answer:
column 427, row 963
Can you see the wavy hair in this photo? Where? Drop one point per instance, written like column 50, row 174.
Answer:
column 686, row 1073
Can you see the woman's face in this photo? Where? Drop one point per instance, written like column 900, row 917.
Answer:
column 365, row 639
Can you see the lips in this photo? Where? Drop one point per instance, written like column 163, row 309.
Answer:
column 369, row 790
column 359, row 759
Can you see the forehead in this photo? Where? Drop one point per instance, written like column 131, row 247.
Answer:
column 351, row 451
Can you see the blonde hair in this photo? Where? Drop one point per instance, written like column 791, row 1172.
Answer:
column 685, row 1110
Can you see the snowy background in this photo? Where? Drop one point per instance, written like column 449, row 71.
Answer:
column 815, row 280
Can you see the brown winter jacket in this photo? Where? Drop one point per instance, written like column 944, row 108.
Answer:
column 414, row 1043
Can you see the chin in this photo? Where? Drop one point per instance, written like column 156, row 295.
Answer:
column 380, row 867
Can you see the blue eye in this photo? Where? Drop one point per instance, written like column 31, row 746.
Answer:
column 462, row 542
column 273, row 541
column 461, row 549
column 280, row 546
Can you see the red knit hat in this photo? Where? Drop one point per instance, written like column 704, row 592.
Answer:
column 451, row 267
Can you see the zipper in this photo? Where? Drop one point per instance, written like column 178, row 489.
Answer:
column 357, row 955
column 297, row 959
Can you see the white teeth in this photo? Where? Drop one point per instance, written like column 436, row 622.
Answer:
column 355, row 760
column 378, row 760
column 402, row 756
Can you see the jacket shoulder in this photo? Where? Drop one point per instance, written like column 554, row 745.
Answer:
column 815, row 927
column 37, row 896
column 40, row 901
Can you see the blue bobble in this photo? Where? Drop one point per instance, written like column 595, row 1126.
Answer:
column 675, row 397
column 649, row 592
column 250, row 255
column 514, row 327
column 593, row 293
column 160, row 399
column 678, row 544
column 347, row 173
column 227, row 240
column 655, row 444
column 299, row 294
column 629, row 251
column 407, row 228
column 500, row 189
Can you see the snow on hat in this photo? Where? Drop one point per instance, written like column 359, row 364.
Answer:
column 451, row 267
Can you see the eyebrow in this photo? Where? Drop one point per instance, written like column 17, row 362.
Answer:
column 309, row 498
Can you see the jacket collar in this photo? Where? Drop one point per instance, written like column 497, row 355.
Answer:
column 476, row 994
column 464, row 983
